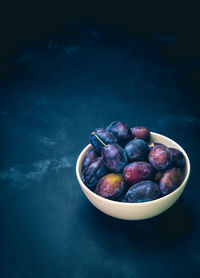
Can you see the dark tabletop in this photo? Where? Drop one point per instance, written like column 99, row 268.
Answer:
column 60, row 89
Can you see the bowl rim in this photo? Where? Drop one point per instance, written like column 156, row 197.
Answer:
column 187, row 162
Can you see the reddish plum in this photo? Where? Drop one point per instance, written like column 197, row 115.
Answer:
column 141, row 132
column 137, row 171
column 160, row 157
column 170, row 180
column 110, row 186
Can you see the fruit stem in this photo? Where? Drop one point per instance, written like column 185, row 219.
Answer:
column 99, row 139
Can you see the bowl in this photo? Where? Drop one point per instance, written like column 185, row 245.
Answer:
column 135, row 211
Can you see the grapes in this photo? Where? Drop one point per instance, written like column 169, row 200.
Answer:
column 160, row 157
column 110, row 186
column 140, row 132
column 142, row 192
column 137, row 171
column 121, row 131
column 114, row 158
column 137, row 149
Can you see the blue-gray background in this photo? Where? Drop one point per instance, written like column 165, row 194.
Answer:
column 62, row 76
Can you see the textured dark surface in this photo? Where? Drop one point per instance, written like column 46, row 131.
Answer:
column 62, row 88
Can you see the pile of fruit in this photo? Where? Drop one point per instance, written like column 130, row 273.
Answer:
column 124, row 166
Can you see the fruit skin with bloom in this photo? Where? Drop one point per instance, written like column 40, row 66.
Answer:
column 114, row 158
column 160, row 158
column 121, row 131
column 170, row 180
column 141, row 132
column 137, row 150
column 100, row 137
column 143, row 191
column 178, row 159
column 110, row 186
column 90, row 156
column 137, row 171
column 94, row 172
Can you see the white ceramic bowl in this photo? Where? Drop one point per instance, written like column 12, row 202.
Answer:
column 135, row 211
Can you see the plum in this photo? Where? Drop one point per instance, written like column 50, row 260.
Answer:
column 114, row 157
column 178, row 159
column 153, row 144
column 100, row 138
column 94, row 172
column 143, row 191
column 141, row 132
column 89, row 157
column 137, row 149
column 160, row 157
column 110, row 186
column 137, row 171
column 121, row 131
column 158, row 176
column 170, row 180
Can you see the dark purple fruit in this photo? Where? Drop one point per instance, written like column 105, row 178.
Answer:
column 170, row 180
column 140, row 132
column 89, row 157
column 137, row 171
column 137, row 149
column 143, row 191
column 101, row 137
column 121, row 131
column 158, row 176
column 94, row 172
column 178, row 159
column 114, row 158
column 160, row 157
column 153, row 144
column 110, row 186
